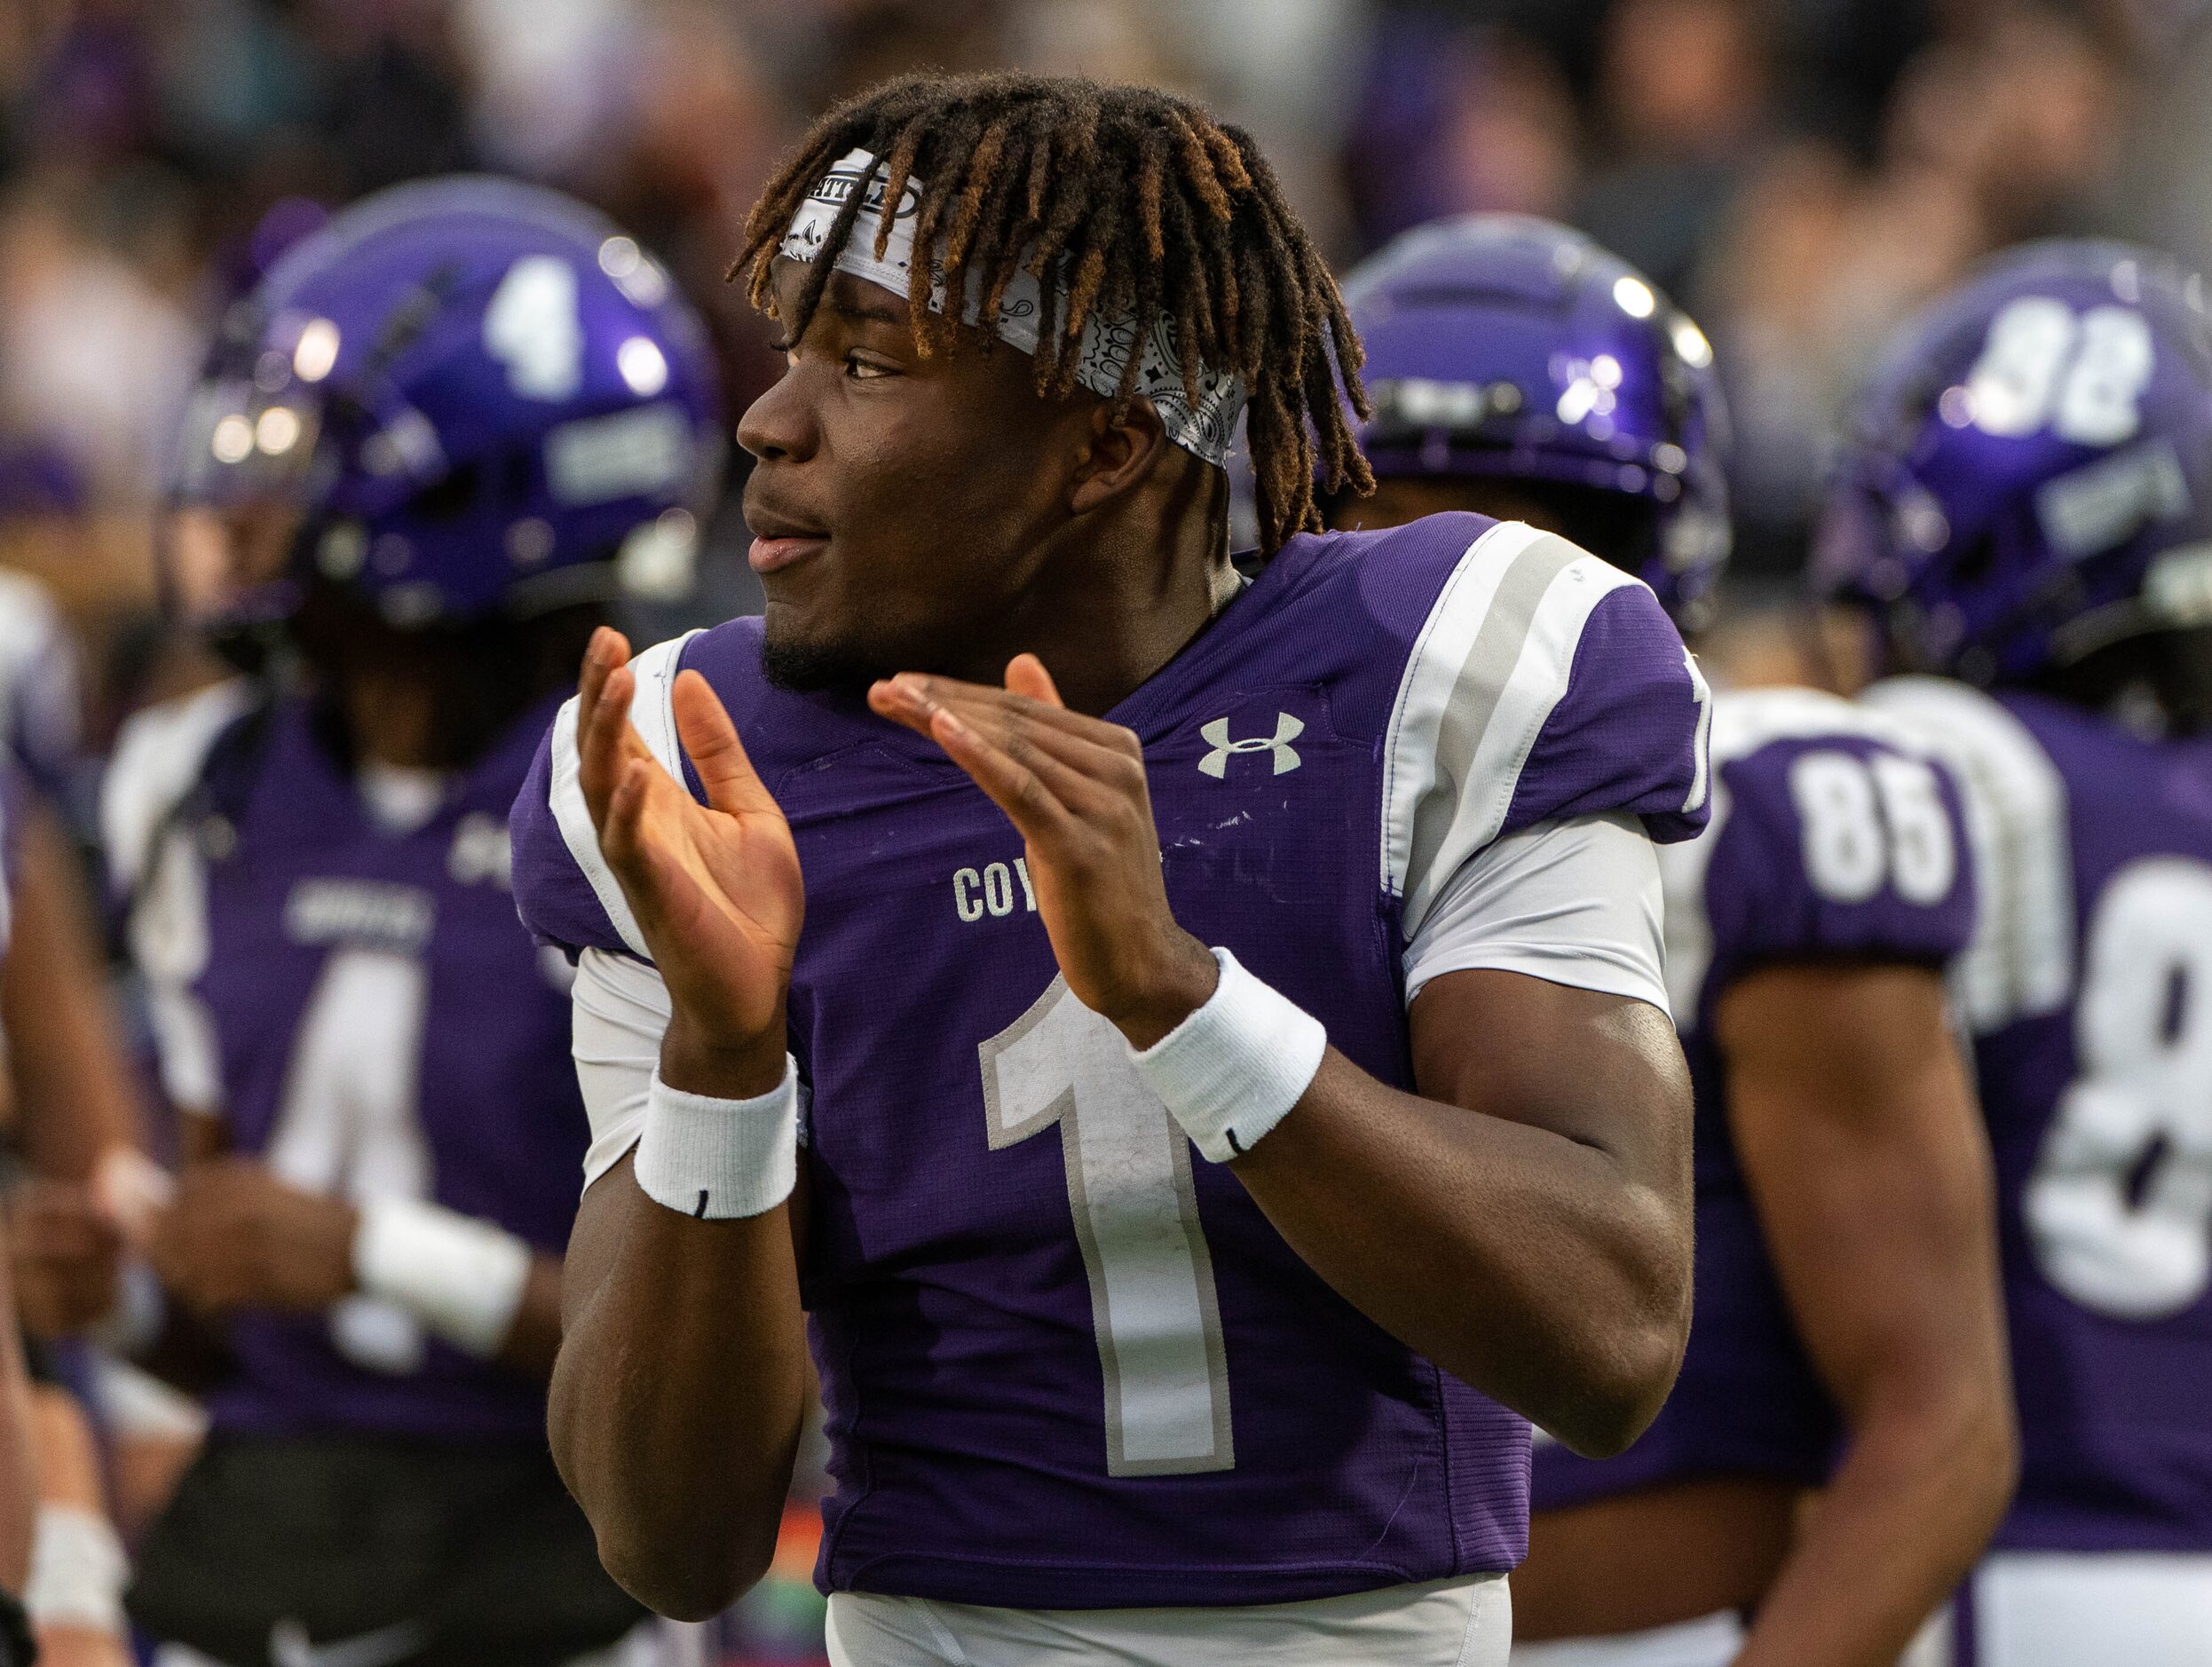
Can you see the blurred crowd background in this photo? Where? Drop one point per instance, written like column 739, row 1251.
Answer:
column 1798, row 172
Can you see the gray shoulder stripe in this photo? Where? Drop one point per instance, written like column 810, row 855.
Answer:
column 2021, row 961
column 1480, row 681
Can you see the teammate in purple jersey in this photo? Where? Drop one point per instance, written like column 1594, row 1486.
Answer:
column 427, row 451
column 2022, row 511
column 1092, row 1396
column 1846, row 1329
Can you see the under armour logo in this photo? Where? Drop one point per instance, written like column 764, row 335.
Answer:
column 1287, row 729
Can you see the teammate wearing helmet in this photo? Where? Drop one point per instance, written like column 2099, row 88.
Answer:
column 1845, row 1328
column 2023, row 512
column 430, row 448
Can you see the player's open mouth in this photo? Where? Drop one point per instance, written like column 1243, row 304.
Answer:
column 769, row 554
column 780, row 540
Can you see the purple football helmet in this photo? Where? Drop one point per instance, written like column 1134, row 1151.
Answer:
column 1504, row 345
column 478, row 396
column 2027, row 475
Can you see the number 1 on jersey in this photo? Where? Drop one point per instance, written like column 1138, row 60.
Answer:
column 1153, row 1304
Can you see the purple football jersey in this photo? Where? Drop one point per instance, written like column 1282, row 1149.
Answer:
column 363, row 1010
column 2089, row 990
column 1834, row 836
column 1067, row 1363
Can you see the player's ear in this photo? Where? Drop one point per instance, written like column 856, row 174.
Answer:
column 1120, row 455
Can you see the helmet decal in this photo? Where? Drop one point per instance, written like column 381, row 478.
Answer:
column 2027, row 476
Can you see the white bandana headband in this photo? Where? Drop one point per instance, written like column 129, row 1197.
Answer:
column 1203, row 430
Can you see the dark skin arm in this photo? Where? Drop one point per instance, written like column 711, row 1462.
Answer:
column 1866, row 1157
column 1532, row 1249
column 76, row 1096
column 77, row 1103
column 682, row 1384
column 680, row 1393
column 19, row 1462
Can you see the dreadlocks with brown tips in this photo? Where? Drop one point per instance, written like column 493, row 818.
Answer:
column 1145, row 208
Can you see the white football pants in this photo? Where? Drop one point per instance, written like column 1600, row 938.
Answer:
column 1455, row 1623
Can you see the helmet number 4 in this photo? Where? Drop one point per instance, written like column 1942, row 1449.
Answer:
column 530, row 326
column 2120, row 1206
column 2080, row 375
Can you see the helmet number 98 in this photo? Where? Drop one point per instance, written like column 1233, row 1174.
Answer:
column 2120, row 1206
column 2044, row 366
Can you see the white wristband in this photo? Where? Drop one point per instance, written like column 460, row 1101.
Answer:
column 78, row 1571
column 462, row 1278
column 1233, row 1069
column 719, row 1160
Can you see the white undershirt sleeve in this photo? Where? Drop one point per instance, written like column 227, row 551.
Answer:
column 1575, row 902
column 620, row 1011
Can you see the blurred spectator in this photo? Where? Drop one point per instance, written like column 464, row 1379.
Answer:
column 393, row 105
column 1682, row 90
column 1455, row 122
column 2165, row 173
column 2004, row 131
column 549, row 74
column 93, row 355
column 1816, row 262
column 1836, row 61
column 2023, row 115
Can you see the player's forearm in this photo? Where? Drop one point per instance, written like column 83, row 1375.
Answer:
column 534, row 1341
column 19, row 1503
column 1529, row 1265
column 77, row 1098
column 677, row 1398
column 1863, row 1147
column 1923, row 1485
column 1929, row 1467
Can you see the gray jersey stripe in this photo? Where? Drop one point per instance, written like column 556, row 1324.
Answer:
column 1482, row 677
column 2021, row 961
